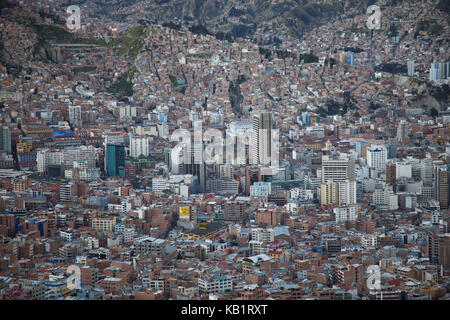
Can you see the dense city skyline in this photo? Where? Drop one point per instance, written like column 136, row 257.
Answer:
column 235, row 150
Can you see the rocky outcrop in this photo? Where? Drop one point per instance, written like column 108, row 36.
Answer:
column 427, row 102
column 47, row 52
column 428, row 96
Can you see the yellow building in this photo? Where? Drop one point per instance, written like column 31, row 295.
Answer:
column 103, row 224
column 329, row 193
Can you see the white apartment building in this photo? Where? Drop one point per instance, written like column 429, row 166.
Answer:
column 46, row 157
column 338, row 169
column 67, row 235
column 304, row 194
column 75, row 116
column 139, row 145
column 377, row 157
column 159, row 184
column 260, row 189
column 257, row 247
column 128, row 235
column 92, row 243
column 217, row 284
column 369, row 241
column 87, row 153
column 263, row 235
column 343, row 214
column 347, row 192
column 385, row 198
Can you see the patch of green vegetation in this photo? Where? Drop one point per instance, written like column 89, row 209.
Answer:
column 173, row 79
column 84, row 69
column 49, row 32
column 131, row 43
column 242, row 30
column 220, row 35
column 309, row 58
column 123, row 87
column 199, row 29
column 57, row 34
column 430, row 26
column 283, row 54
column 267, row 53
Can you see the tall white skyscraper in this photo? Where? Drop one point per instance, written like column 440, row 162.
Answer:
column 411, row 67
column 139, row 145
column 75, row 116
column 402, row 131
column 262, row 137
column 347, row 192
column 46, row 157
column 440, row 71
column 377, row 157
column 78, row 153
column 239, row 139
column 426, row 171
column 338, row 168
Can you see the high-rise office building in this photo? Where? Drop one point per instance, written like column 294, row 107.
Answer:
column 377, row 157
column 346, row 192
column 329, row 193
column 440, row 71
column 435, row 72
column 441, row 185
column 392, row 148
column 46, row 158
column 75, row 116
column 115, row 160
column 238, row 143
column 444, row 70
column 411, row 67
column 402, row 131
column 391, row 174
column 350, row 59
column 67, row 192
column 139, row 145
column 341, row 193
column 426, row 171
column 262, row 137
column 190, row 161
column 338, row 168
column 439, row 249
column 5, row 139
column 69, row 155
